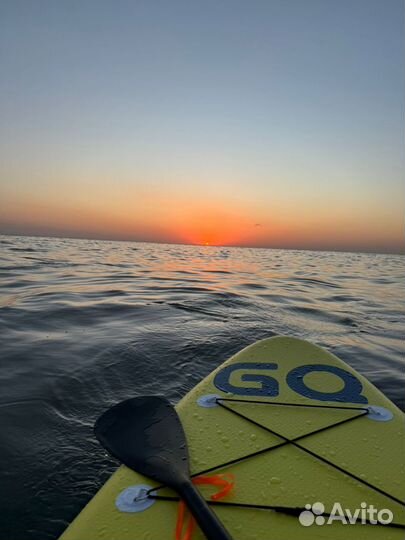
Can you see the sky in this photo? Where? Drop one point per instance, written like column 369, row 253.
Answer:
column 276, row 123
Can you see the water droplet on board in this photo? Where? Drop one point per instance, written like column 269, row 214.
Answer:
column 275, row 480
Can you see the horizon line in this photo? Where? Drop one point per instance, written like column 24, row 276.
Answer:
column 85, row 238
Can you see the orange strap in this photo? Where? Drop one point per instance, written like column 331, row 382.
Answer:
column 185, row 519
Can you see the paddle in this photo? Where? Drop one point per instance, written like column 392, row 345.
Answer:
column 146, row 435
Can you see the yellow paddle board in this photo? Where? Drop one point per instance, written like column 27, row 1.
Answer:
column 299, row 430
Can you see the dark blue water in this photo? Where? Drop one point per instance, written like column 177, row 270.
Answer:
column 87, row 323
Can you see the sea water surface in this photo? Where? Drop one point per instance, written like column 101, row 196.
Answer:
column 87, row 323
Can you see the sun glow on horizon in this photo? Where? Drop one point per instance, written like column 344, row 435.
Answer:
column 188, row 220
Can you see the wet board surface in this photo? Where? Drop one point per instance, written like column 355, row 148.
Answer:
column 279, row 371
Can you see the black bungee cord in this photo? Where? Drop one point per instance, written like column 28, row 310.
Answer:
column 293, row 511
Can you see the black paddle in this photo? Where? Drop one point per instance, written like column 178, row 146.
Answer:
column 146, row 435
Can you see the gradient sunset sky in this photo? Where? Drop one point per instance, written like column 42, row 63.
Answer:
column 276, row 123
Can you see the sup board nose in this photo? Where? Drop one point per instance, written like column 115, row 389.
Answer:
column 280, row 390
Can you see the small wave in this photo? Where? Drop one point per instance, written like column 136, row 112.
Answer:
column 282, row 298
column 317, row 282
column 118, row 265
column 180, row 289
column 4, row 269
column 116, row 276
column 217, row 271
column 16, row 284
column 68, row 314
column 186, row 272
column 178, row 280
column 196, row 309
column 24, row 250
column 323, row 315
column 339, row 298
column 256, row 286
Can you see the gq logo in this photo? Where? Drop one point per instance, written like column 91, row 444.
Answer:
column 268, row 386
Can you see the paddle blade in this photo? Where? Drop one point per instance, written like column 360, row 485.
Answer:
column 146, row 435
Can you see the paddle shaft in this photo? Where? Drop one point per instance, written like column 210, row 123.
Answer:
column 205, row 517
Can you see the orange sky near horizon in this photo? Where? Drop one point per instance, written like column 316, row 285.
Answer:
column 175, row 218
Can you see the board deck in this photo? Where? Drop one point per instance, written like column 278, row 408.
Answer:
column 278, row 370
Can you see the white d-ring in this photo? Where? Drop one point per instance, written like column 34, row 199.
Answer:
column 134, row 499
column 379, row 414
column 208, row 401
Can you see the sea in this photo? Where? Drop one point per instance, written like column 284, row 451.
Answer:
column 87, row 323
